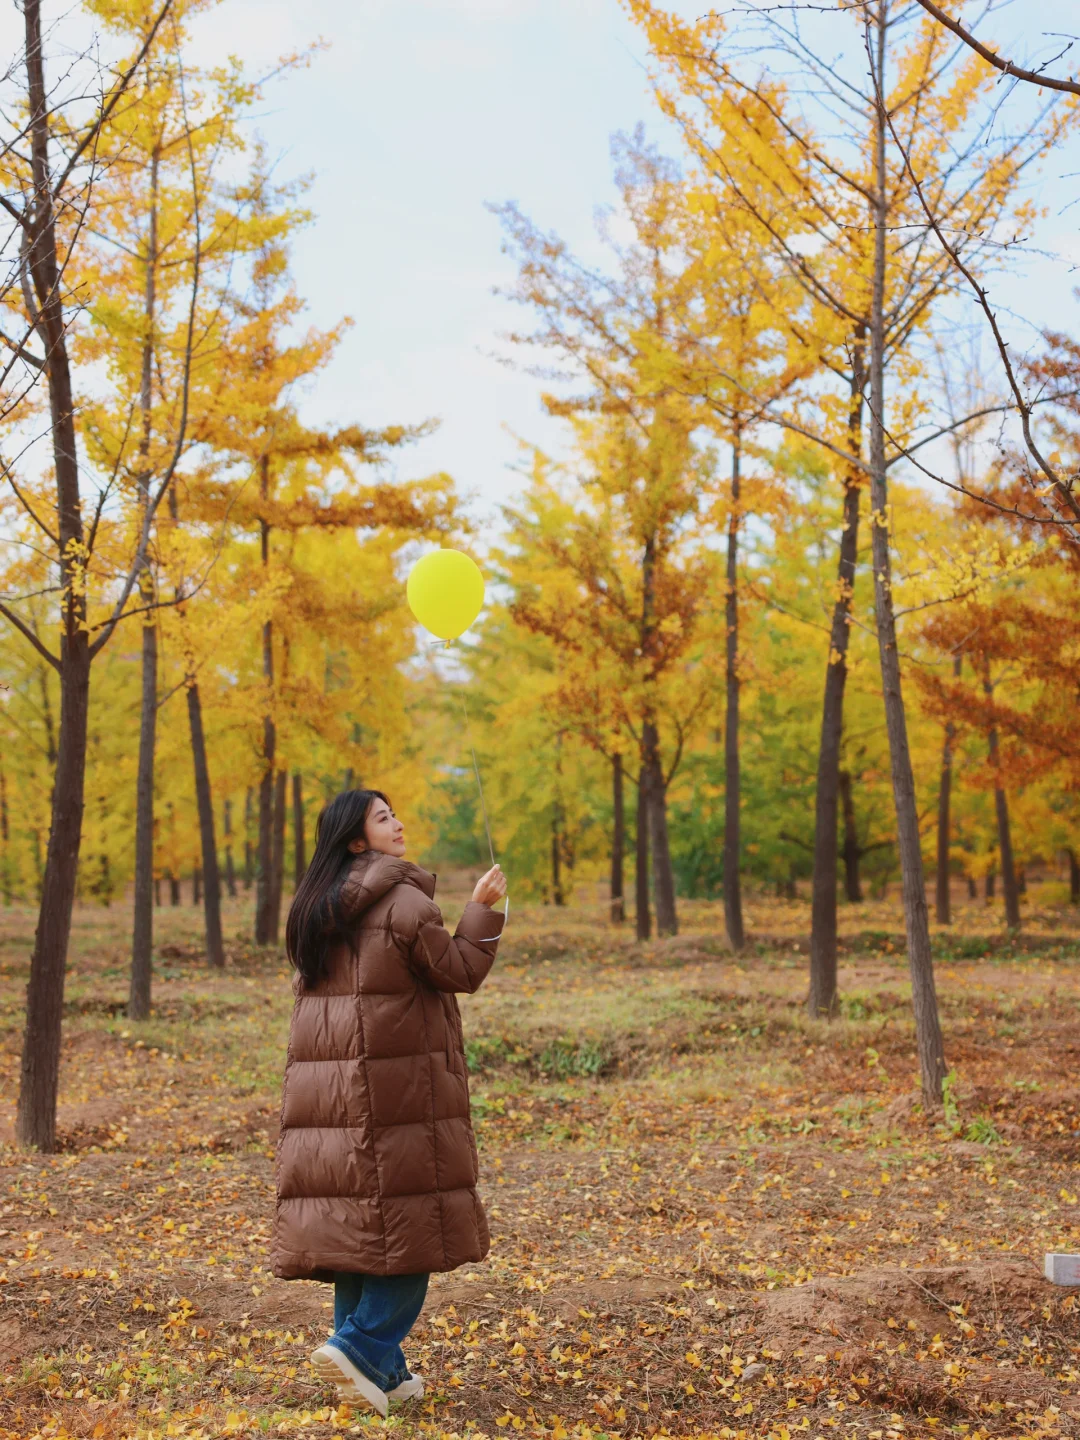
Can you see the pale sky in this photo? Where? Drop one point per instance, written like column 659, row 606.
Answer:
column 422, row 111
column 417, row 114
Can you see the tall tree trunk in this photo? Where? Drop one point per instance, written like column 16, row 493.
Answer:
column 230, row 868
column 211, row 876
column 557, row 896
column 5, row 836
column 852, row 883
column 249, row 858
column 642, row 917
column 1001, row 805
column 299, row 849
column 36, row 1118
column 656, row 794
column 988, row 885
column 264, row 867
column 142, row 933
column 944, row 826
column 264, row 870
column 822, row 997
column 973, row 889
column 618, row 840
column 1074, row 878
column 281, row 782
column 1008, row 866
column 265, row 912
column 196, row 885
column 557, row 823
column 733, row 917
column 928, row 1037
column 175, row 896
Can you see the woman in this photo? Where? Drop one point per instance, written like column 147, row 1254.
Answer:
column 376, row 1165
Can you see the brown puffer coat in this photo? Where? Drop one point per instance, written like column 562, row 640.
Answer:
column 376, row 1164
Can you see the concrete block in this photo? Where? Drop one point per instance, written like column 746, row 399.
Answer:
column 1063, row 1269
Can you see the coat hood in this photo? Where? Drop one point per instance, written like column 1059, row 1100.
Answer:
column 372, row 874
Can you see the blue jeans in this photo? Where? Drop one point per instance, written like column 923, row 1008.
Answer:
column 372, row 1316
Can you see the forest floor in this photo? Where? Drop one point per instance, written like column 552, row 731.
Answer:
column 710, row 1216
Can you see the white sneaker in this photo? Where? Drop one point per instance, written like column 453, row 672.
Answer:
column 410, row 1389
column 334, row 1366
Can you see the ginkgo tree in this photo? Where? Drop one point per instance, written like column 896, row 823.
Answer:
column 843, row 216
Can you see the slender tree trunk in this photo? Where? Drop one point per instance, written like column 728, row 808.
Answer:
column 281, row 784
column 142, row 935
column 265, row 911
column 196, row 885
column 928, row 1037
column 299, row 849
column 249, row 858
column 1005, row 850
column 211, row 876
column 558, row 820
column 642, row 916
column 973, row 889
column 656, row 794
column 852, row 883
column 733, row 917
column 1074, row 878
column 5, row 836
column 175, row 897
column 618, row 840
column 264, row 882
column 988, row 885
column 36, row 1118
column 230, row 868
column 822, row 998
column 1008, row 867
column 557, row 896
column 944, row 827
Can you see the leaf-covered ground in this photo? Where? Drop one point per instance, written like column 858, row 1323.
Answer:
column 710, row 1216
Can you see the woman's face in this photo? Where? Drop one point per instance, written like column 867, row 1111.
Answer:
column 383, row 831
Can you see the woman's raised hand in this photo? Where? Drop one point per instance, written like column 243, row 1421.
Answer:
column 490, row 887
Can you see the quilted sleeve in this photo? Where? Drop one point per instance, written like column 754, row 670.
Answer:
column 458, row 962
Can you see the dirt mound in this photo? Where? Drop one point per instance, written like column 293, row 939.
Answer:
column 877, row 1304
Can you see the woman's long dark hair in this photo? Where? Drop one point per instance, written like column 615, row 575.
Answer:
column 315, row 920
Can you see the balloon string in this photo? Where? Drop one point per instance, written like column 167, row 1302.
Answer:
column 483, row 806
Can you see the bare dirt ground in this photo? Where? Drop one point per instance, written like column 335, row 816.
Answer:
column 710, row 1216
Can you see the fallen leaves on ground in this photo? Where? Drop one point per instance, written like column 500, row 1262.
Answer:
column 710, row 1216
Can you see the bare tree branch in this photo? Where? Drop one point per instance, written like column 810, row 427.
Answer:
column 1007, row 67
column 118, row 92
column 28, row 634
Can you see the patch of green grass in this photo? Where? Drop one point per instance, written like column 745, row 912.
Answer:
column 982, row 1131
column 588, row 1059
column 961, row 947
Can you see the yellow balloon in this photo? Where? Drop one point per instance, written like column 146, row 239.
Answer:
column 445, row 591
